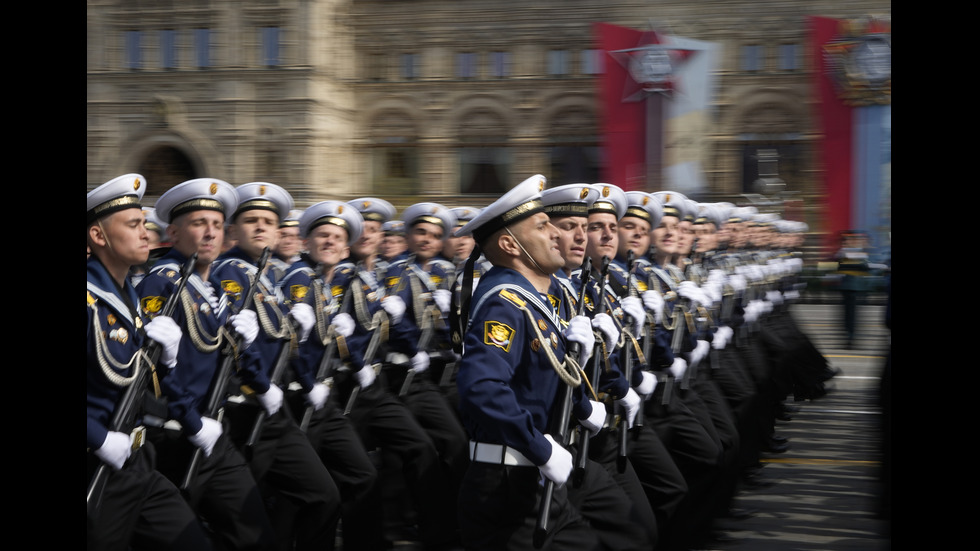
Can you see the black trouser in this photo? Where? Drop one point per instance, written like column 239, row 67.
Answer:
column 498, row 511
column 339, row 447
column 301, row 496
column 736, row 385
column 434, row 414
column 224, row 492
column 698, row 454
column 382, row 421
column 623, row 519
column 663, row 483
column 141, row 509
column 727, row 429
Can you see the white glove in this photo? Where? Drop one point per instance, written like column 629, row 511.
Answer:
column 654, row 302
column 634, row 309
column 442, row 298
column 420, row 362
column 271, row 399
column 343, row 324
column 596, row 419
column 317, row 396
column 208, row 436
column 678, row 368
column 366, row 375
column 304, row 316
column 722, row 336
column 579, row 330
column 712, row 290
column 717, row 276
column 394, row 306
column 559, row 465
column 165, row 331
column 751, row 311
column 647, row 385
column 699, row 352
column 774, row 297
column 605, row 324
column 115, row 450
column 792, row 294
column 246, row 324
column 690, row 291
column 737, row 282
column 631, row 403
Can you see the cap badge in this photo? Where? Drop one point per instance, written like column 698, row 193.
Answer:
column 540, row 184
column 605, row 191
column 584, row 193
column 366, row 204
column 136, row 184
column 667, row 198
column 261, row 190
column 213, row 189
column 646, row 200
column 340, row 209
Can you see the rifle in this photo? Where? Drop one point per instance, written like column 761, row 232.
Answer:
column 215, row 401
column 124, row 415
column 689, row 320
column 282, row 360
column 423, row 345
column 325, row 369
column 561, row 427
column 627, row 372
column 372, row 350
column 583, row 443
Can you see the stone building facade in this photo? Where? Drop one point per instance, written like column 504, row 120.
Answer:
column 446, row 100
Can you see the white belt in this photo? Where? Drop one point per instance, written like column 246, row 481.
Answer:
column 397, row 358
column 497, row 454
column 154, row 421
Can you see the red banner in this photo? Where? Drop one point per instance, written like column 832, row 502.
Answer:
column 834, row 119
column 623, row 122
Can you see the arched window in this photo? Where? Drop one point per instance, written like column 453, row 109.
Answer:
column 484, row 156
column 394, row 155
column 574, row 147
column 164, row 167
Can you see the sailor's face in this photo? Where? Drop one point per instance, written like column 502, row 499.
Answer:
column 127, row 237
column 603, row 236
column 327, row 244
column 634, row 235
column 665, row 235
column 425, row 240
column 201, row 232
column 369, row 244
column 540, row 239
column 255, row 230
column 572, row 239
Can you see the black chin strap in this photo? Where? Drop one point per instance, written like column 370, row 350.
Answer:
column 459, row 312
